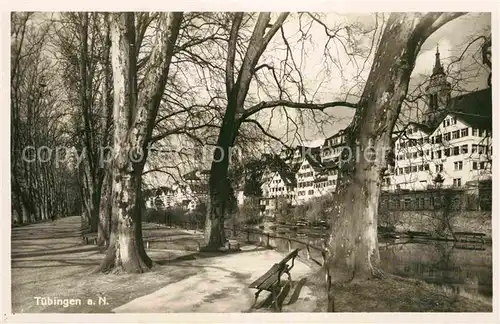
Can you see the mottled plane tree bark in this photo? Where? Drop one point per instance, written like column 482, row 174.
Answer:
column 134, row 116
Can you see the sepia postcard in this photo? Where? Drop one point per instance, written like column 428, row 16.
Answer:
column 211, row 163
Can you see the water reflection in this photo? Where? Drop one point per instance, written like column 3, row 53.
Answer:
column 462, row 269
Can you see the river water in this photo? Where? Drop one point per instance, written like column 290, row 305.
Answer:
column 459, row 268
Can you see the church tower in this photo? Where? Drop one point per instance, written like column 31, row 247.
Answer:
column 438, row 93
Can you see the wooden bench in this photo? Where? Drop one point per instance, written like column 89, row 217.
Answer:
column 90, row 238
column 271, row 280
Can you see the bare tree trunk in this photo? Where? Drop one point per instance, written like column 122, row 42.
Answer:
column 218, row 185
column 126, row 249
column 353, row 246
column 236, row 92
column 133, row 121
column 105, row 210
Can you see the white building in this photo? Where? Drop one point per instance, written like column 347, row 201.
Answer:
column 280, row 179
column 453, row 140
column 307, row 179
column 187, row 195
column 457, row 149
column 332, row 147
column 279, row 188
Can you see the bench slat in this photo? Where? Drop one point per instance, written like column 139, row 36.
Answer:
column 268, row 279
column 290, row 255
column 265, row 276
column 269, row 282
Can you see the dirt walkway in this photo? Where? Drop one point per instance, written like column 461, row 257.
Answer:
column 48, row 260
column 220, row 285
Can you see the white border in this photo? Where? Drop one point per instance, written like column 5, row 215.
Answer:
column 232, row 5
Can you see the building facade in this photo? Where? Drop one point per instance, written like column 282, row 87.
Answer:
column 449, row 144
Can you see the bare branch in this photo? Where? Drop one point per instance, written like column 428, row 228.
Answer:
column 256, row 108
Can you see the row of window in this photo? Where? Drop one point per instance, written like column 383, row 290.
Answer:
column 330, row 151
column 305, row 184
column 324, row 184
column 303, row 192
column 450, row 121
column 439, row 138
column 458, row 134
column 306, row 174
column 278, row 189
column 289, row 196
column 457, row 166
column 451, row 151
column 310, row 174
column 336, row 140
column 417, row 203
column 413, row 168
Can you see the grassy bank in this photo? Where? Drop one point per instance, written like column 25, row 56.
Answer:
column 394, row 294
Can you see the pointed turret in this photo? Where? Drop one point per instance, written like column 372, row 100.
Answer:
column 438, row 92
column 438, row 68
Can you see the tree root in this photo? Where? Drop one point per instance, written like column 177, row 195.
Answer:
column 210, row 248
column 378, row 274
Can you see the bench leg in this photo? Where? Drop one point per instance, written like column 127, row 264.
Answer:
column 256, row 296
column 275, row 298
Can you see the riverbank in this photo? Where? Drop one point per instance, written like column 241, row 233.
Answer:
column 383, row 232
column 394, row 294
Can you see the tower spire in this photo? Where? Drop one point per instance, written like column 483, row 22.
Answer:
column 438, row 68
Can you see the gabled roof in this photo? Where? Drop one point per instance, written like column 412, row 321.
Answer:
column 423, row 128
column 474, row 103
column 314, row 162
column 474, row 109
column 475, row 121
column 288, row 178
column 331, row 164
column 339, row 133
column 467, row 107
